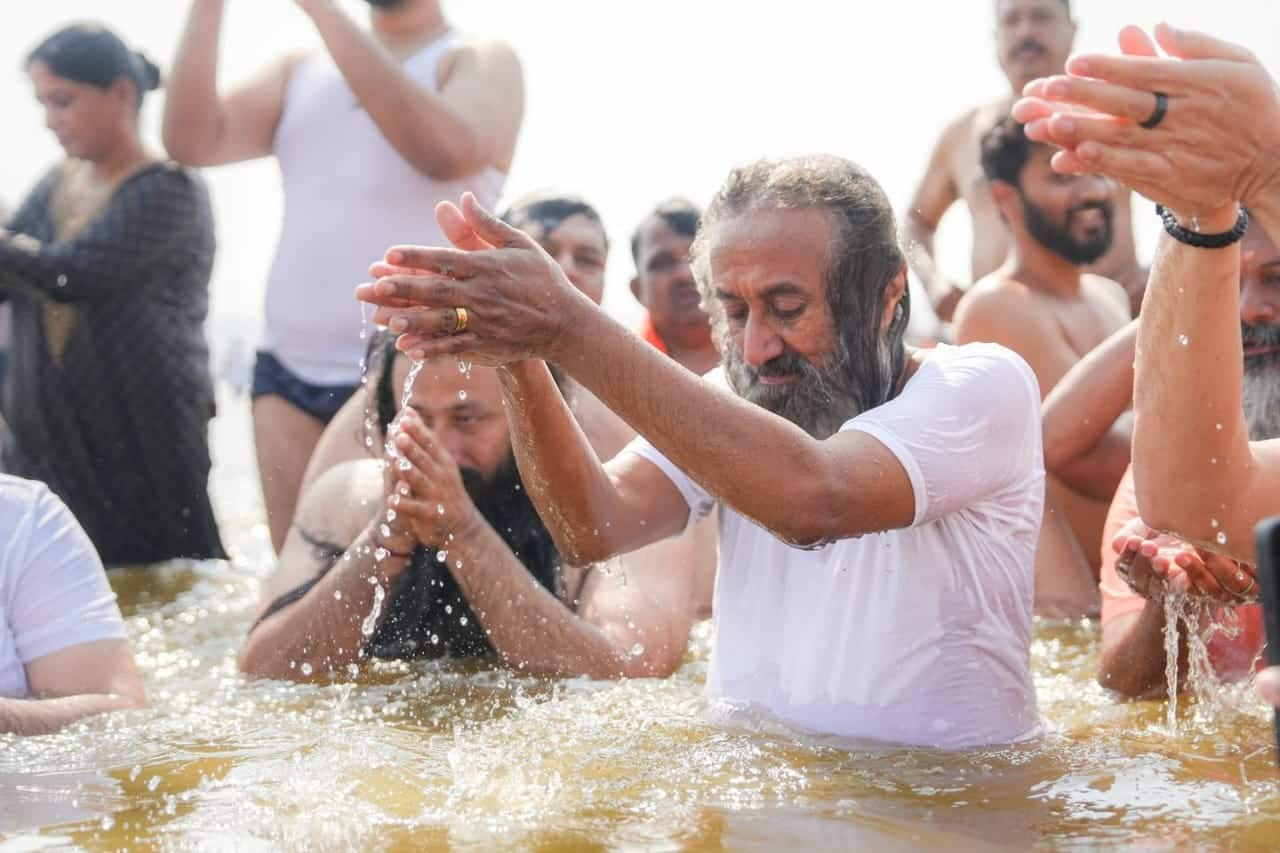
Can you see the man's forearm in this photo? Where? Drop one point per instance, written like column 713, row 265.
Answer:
column 528, row 626
column 324, row 630
column 1189, row 424
column 191, row 114
column 46, row 716
column 565, row 478
column 417, row 122
column 1133, row 657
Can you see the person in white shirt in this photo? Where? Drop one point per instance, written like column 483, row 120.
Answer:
column 879, row 506
column 63, row 651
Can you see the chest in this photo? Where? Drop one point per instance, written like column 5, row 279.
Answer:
column 1086, row 322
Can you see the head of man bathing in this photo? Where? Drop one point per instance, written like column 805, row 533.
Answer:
column 799, row 267
column 1260, row 330
column 1033, row 38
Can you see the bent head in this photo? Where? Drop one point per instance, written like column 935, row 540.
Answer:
column 799, row 266
column 91, row 87
column 664, row 279
column 1033, row 38
column 463, row 409
column 1260, row 330
column 1070, row 215
column 571, row 232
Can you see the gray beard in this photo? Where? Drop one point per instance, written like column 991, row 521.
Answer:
column 1262, row 398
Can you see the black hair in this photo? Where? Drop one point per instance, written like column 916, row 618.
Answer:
column 680, row 214
column 1006, row 151
column 550, row 210
column 93, row 55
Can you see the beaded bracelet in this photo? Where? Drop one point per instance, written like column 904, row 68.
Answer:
column 1203, row 241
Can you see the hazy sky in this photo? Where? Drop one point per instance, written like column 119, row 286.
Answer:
column 632, row 102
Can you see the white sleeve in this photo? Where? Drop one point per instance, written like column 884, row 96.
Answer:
column 966, row 428
column 699, row 499
column 61, row 597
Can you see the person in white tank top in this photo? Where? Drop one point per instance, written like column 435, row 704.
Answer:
column 370, row 135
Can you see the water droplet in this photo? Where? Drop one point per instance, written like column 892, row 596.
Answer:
column 435, row 639
column 380, row 555
column 458, row 565
column 439, row 509
column 1222, row 538
column 106, row 823
column 337, row 595
column 1219, row 427
column 462, row 621
column 384, row 531
column 306, row 669
column 462, row 395
column 1214, row 522
column 1184, row 340
column 441, row 556
column 391, row 515
column 353, row 670
column 62, row 280
column 403, row 465
column 371, row 621
column 153, row 783
column 448, row 608
column 1213, row 460
column 637, row 650
column 135, row 773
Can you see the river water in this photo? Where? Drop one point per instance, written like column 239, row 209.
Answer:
column 449, row 756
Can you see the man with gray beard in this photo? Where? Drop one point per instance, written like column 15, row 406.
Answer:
column 1139, row 565
column 878, row 506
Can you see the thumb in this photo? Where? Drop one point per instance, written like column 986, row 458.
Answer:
column 1187, row 44
column 457, row 229
column 490, row 228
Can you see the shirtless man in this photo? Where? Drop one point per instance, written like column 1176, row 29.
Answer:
column 1033, row 39
column 1042, row 305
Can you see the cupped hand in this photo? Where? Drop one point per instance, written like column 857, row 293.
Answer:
column 1153, row 563
column 1217, row 144
column 429, row 497
column 518, row 301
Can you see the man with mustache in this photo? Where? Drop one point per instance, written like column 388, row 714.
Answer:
column 1033, row 39
column 1045, row 307
column 370, row 133
column 879, row 505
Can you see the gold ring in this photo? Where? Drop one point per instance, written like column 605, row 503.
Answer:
column 459, row 321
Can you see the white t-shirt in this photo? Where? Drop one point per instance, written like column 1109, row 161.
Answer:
column 918, row 636
column 53, row 590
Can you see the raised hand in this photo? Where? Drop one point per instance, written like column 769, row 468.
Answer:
column 1218, row 142
column 429, row 498
column 517, row 301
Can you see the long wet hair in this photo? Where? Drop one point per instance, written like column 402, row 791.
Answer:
column 863, row 259
column 95, row 56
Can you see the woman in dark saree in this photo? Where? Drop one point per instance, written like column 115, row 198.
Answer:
column 106, row 265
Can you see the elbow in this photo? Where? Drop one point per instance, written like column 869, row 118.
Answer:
column 462, row 156
column 183, row 143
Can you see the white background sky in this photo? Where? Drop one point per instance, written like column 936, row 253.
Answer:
column 630, row 102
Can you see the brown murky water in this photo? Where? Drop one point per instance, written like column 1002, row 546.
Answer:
column 437, row 756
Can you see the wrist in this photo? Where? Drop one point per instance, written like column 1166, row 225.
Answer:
column 389, row 538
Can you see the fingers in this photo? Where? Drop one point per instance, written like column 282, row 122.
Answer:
column 1235, row 579
column 420, row 348
column 450, row 263
column 490, row 227
column 1187, row 44
column 425, row 322
column 413, row 428
column 1134, row 41
column 459, row 231
column 1144, row 73
column 1136, row 105
column 1032, row 108
column 419, row 291
column 1127, row 165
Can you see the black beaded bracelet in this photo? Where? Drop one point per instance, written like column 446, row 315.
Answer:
column 1203, row 241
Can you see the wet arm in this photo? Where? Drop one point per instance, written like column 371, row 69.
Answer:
column 471, row 123
column 69, row 685
column 323, row 628
column 1190, row 425
column 933, row 198
column 199, row 127
column 148, row 218
column 1132, row 658
column 1084, row 444
column 592, row 514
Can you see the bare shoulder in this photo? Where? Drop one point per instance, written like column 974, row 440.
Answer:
column 995, row 306
column 1107, row 291
column 487, row 56
column 343, row 499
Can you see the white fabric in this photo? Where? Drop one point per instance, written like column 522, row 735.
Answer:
column 918, row 636
column 349, row 196
column 53, row 590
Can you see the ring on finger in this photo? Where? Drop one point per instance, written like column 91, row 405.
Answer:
column 460, row 320
column 1157, row 114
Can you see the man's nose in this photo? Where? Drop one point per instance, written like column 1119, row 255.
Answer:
column 1259, row 304
column 760, row 343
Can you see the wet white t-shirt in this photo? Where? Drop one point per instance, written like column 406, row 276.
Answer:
column 918, row 636
column 53, row 590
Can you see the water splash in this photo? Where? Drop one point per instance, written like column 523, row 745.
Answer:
column 370, row 622
column 406, row 394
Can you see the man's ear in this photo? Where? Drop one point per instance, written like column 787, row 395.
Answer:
column 893, row 295
column 1008, row 200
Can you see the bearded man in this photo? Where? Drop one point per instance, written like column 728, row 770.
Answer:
column 1043, row 305
column 879, row 506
